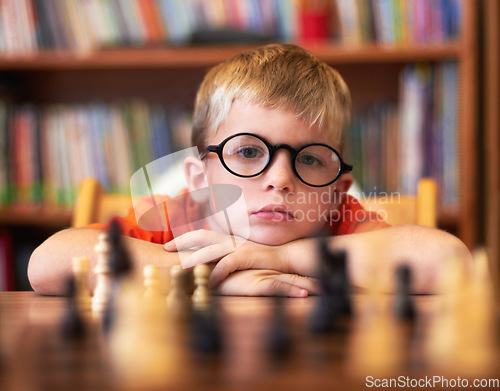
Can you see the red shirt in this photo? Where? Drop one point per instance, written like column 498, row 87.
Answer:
column 348, row 219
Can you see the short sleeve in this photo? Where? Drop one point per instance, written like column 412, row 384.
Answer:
column 352, row 218
column 130, row 228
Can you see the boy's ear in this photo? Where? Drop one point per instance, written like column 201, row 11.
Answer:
column 195, row 174
column 344, row 183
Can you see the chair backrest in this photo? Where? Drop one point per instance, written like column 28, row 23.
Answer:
column 399, row 209
column 94, row 205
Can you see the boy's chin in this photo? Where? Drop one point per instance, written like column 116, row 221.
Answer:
column 272, row 238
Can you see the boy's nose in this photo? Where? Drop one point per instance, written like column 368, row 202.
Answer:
column 279, row 174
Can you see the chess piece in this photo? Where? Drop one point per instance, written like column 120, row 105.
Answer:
column 201, row 295
column 151, row 282
column 143, row 354
column 334, row 302
column 81, row 266
column 72, row 323
column 120, row 268
column 119, row 258
column 377, row 345
column 102, row 292
column 444, row 343
column 279, row 340
column 178, row 301
column 404, row 307
column 378, row 342
column 474, row 352
column 205, row 336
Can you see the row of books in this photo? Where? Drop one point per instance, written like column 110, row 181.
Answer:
column 46, row 151
column 398, row 22
column 393, row 145
column 85, row 25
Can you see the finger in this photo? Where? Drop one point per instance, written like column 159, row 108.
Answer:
column 227, row 265
column 272, row 286
column 311, row 285
column 196, row 239
column 206, row 254
column 243, row 260
column 261, row 284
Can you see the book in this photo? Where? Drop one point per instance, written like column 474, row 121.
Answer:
column 153, row 21
column 4, row 163
column 449, row 124
column 7, row 281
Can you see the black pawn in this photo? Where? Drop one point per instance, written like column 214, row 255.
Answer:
column 119, row 258
column 72, row 323
column 404, row 307
column 205, row 336
column 120, row 265
column 334, row 303
column 279, row 340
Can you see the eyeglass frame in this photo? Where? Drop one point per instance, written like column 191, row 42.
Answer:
column 343, row 168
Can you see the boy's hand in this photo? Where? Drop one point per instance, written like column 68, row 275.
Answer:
column 205, row 246
column 267, row 283
column 294, row 258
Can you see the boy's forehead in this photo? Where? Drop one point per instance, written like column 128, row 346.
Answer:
column 276, row 125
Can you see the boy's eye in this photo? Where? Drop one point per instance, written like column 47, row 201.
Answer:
column 308, row 160
column 249, row 152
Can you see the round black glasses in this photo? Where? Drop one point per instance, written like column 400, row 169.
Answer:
column 247, row 155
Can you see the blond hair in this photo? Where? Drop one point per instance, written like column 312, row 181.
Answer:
column 282, row 76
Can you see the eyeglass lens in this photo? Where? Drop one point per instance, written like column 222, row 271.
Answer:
column 248, row 156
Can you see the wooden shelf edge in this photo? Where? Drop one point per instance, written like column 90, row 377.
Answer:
column 203, row 56
column 47, row 216
column 35, row 215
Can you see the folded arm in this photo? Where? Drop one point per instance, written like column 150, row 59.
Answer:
column 372, row 256
column 51, row 263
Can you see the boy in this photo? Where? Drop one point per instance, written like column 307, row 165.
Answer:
column 270, row 121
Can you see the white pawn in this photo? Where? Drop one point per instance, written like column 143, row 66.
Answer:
column 102, row 292
column 201, row 295
column 143, row 354
column 151, row 282
column 177, row 299
column 81, row 267
column 443, row 337
column 474, row 353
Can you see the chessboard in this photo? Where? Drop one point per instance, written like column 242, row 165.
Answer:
column 167, row 330
column 369, row 348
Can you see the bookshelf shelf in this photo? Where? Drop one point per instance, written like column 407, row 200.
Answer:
column 203, row 56
column 35, row 215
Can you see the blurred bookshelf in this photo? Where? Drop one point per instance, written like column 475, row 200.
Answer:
column 77, row 68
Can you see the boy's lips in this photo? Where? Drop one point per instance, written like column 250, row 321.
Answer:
column 275, row 212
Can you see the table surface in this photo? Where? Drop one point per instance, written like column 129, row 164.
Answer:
column 338, row 360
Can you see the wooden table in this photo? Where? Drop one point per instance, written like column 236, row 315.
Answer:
column 340, row 360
